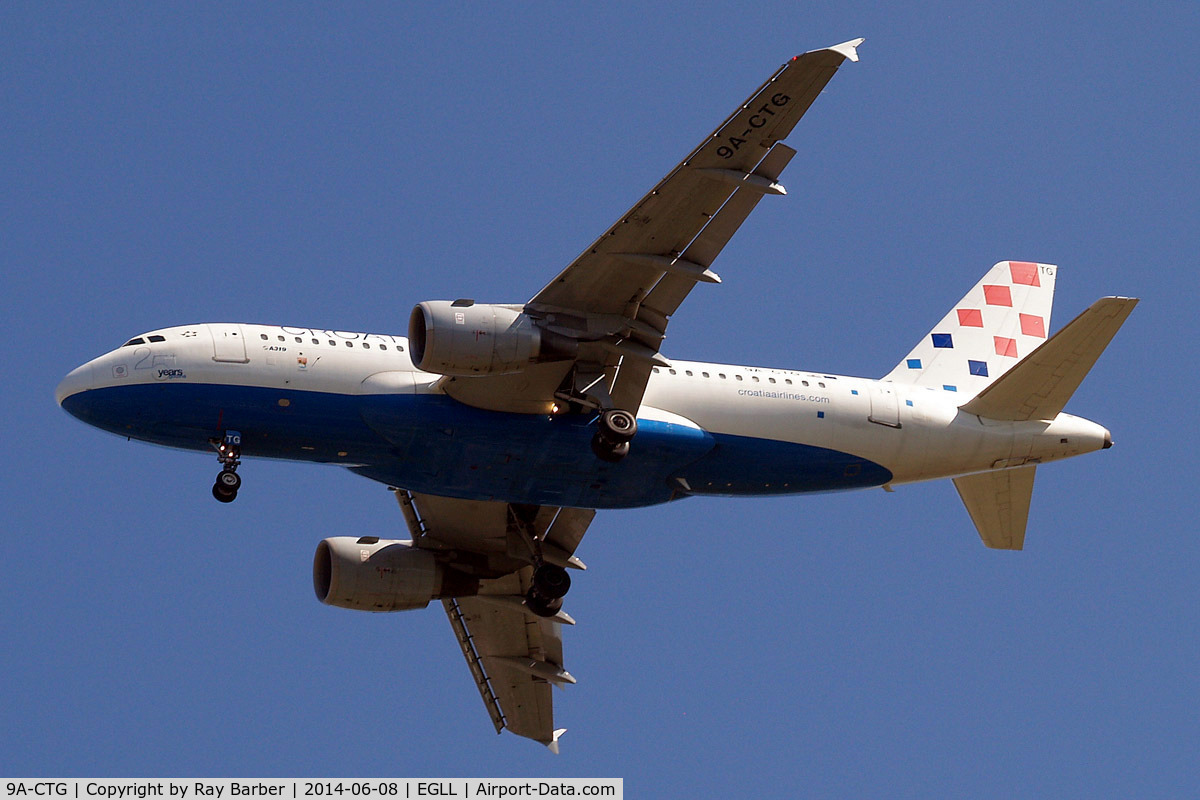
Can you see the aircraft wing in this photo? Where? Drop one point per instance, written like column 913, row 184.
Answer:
column 514, row 655
column 615, row 299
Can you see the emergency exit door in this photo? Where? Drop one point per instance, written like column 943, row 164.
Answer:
column 885, row 407
column 229, row 344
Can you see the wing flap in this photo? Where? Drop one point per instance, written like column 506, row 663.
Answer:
column 519, row 658
column 669, row 293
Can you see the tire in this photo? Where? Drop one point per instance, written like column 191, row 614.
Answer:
column 551, row 581
column 543, row 608
column 223, row 494
column 607, row 451
column 230, row 480
column 618, row 425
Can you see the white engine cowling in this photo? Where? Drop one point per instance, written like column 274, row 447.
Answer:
column 370, row 574
column 465, row 338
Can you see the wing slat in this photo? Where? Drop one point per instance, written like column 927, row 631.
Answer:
column 490, row 701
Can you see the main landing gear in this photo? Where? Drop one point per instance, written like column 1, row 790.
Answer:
column 549, row 586
column 229, row 452
column 549, row 582
column 615, row 429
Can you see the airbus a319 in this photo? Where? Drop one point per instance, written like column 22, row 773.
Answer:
column 501, row 429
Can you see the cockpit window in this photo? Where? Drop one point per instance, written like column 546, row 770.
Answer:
column 138, row 340
column 157, row 338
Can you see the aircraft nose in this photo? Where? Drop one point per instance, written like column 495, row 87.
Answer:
column 77, row 380
column 1107, row 439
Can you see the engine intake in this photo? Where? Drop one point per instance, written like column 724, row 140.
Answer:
column 465, row 338
column 370, row 574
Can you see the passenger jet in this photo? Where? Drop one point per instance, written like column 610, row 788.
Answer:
column 502, row 428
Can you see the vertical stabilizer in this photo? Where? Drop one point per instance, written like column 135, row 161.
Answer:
column 1001, row 320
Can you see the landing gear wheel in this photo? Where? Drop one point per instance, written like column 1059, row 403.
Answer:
column 551, row 581
column 618, row 425
column 224, row 494
column 542, row 607
column 229, row 453
column 230, row 480
column 615, row 428
column 607, row 451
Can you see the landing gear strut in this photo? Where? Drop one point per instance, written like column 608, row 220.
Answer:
column 614, row 430
column 549, row 582
column 229, row 452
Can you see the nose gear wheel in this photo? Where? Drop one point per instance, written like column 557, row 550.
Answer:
column 229, row 453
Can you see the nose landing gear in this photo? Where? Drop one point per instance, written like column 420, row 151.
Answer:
column 229, row 452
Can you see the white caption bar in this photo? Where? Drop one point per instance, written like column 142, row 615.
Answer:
column 305, row 788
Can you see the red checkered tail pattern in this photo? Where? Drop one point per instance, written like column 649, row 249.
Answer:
column 1002, row 319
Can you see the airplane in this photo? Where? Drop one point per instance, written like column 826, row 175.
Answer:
column 502, row 428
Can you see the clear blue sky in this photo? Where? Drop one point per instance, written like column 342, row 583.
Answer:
column 330, row 166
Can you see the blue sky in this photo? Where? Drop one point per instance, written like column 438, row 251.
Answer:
column 330, row 166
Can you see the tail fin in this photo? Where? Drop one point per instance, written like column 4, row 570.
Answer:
column 1039, row 386
column 999, row 322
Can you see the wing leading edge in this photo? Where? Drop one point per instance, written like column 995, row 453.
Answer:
column 616, row 298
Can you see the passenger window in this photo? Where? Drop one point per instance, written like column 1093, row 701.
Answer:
column 754, row 378
column 366, row 346
column 821, row 384
column 721, row 375
column 739, row 377
column 282, row 339
column 673, row 372
column 803, row 383
column 656, row 370
column 788, row 381
column 705, row 374
column 772, row 380
column 263, row 336
column 349, row 344
column 332, row 343
column 316, row 341
column 383, row 347
column 299, row 340
column 689, row 373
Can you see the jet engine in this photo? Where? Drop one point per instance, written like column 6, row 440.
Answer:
column 372, row 574
column 465, row 338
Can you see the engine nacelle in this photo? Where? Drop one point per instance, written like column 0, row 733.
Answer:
column 371, row 574
column 464, row 338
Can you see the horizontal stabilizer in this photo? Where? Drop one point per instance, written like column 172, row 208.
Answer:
column 998, row 503
column 1040, row 385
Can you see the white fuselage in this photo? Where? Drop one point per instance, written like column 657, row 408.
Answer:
column 211, row 377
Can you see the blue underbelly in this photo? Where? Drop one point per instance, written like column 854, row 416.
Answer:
column 435, row 445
